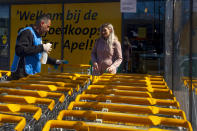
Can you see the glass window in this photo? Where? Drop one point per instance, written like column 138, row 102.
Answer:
column 4, row 31
column 145, row 31
column 194, row 67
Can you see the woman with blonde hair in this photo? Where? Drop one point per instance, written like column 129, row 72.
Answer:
column 106, row 55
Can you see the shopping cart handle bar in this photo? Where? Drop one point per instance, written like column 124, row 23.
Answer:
column 126, row 118
column 14, row 119
column 87, row 126
column 128, row 108
column 128, row 100
column 14, row 108
column 28, row 100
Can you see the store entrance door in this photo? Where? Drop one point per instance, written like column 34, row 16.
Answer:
column 145, row 29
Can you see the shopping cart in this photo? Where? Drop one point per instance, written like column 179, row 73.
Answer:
column 70, row 76
column 11, row 123
column 128, row 100
column 82, row 83
column 131, row 75
column 117, row 92
column 130, row 88
column 40, row 94
column 35, row 81
column 125, row 108
column 32, row 114
column 133, row 82
column 87, row 126
column 157, row 80
column 61, row 95
column 126, row 119
column 153, row 91
column 47, row 105
column 35, row 87
column 61, row 102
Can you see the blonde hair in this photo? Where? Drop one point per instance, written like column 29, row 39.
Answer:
column 112, row 37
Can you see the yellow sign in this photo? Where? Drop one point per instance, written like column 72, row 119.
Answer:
column 81, row 26
column 82, row 22
column 142, row 32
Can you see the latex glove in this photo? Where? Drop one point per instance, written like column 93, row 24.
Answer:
column 61, row 62
column 47, row 47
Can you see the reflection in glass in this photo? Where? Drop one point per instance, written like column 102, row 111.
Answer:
column 4, row 45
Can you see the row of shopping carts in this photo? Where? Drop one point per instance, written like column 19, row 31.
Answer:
column 78, row 101
column 192, row 90
column 123, row 102
column 28, row 103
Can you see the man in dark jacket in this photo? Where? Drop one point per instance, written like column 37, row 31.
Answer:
column 29, row 49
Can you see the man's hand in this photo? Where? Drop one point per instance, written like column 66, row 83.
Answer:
column 61, row 62
column 47, row 47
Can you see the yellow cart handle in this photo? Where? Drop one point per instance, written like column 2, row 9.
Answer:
column 15, row 108
column 128, row 108
column 126, row 118
column 128, row 100
column 42, row 94
column 87, row 126
column 14, row 119
column 28, row 100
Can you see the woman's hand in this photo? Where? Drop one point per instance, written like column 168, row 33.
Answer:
column 110, row 69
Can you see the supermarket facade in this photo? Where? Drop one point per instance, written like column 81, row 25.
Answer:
column 165, row 31
column 75, row 26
